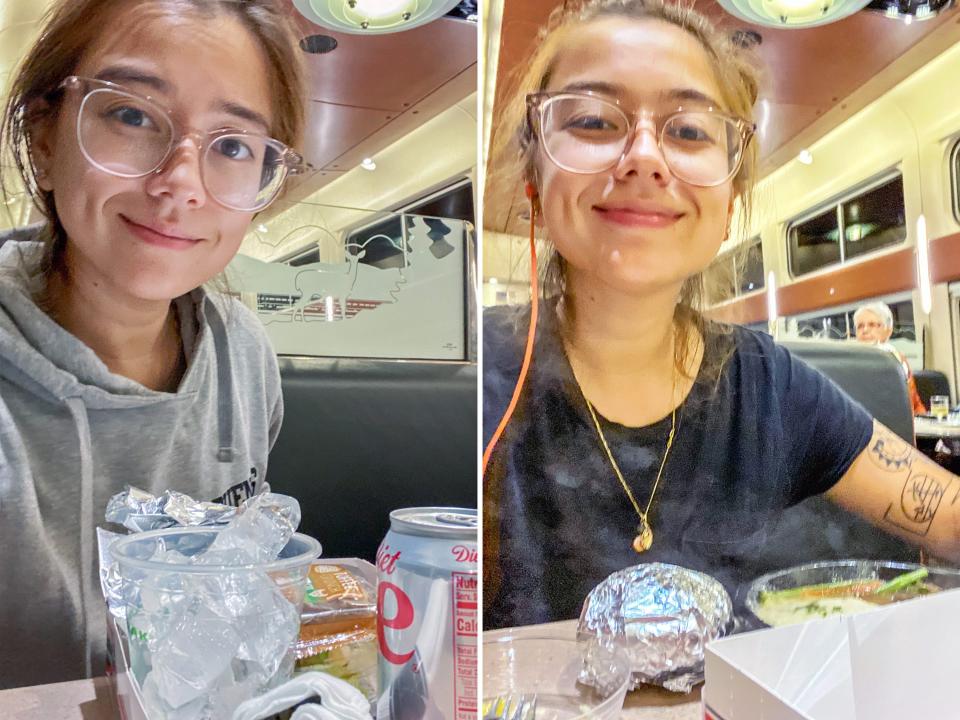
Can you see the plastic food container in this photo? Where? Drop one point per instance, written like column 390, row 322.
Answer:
column 202, row 638
column 550, row 668
column 821, row 573
column 338, row 631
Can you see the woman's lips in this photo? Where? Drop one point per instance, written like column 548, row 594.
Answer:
column 154, row 236
column 636, row 217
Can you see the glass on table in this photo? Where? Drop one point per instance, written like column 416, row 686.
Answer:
column 551, row 669
column 940, row 406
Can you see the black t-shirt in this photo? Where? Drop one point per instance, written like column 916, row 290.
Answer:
column 770, row 433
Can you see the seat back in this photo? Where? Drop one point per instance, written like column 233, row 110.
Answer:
column 363, row 437
column 869, row 375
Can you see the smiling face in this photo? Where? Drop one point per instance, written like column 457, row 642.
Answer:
column 159, row 236
column 635, row 227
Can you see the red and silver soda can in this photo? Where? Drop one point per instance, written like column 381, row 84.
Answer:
column 427, row 615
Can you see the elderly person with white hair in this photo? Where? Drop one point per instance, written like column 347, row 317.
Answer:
column 874, row 325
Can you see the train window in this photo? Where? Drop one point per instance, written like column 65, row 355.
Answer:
column 874, row 219
column 394, row 283
column 381, row 242
column 814, row 243
column 719, row 279
column 736, row 273
column 750, row 277
column 828, row 327
column 856, row 226
column 837, row 323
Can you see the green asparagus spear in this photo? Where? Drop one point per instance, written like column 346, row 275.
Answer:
column 904, row 581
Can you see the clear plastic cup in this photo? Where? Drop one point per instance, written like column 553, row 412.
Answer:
column 940, row 406
column 204, row 638
column 550, row 668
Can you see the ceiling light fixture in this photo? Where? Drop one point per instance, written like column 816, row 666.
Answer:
column 368, row 164
column 806, row 157
column 371, row 17
column 789, row 14
column 910, row 10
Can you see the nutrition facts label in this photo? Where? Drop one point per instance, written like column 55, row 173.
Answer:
column 465, row 645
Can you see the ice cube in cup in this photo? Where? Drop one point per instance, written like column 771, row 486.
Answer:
column 192, row 655
column 261, row 528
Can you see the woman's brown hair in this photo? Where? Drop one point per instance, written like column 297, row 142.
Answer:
column 513, row 161
column 72, row 26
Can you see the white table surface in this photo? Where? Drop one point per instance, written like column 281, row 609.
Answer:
column 930, row 428
column 76, row 700
column 644, row 703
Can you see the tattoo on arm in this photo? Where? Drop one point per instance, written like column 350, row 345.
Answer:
column 919, row 501
column 889, row 452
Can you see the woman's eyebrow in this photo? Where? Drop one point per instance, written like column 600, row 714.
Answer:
column 597, row 86
column 616, row 90
column 690, row 95
column 127, row 73
column 244, row 113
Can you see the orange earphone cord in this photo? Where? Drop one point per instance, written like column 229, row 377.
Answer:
column 528, row 352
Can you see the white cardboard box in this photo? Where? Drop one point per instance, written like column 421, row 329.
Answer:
column 900, row 662
column 118, row 669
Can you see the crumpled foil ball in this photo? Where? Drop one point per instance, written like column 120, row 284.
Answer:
column 663, row 615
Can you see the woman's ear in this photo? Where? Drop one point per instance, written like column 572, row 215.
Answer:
column 533, row 196
column 41, row 138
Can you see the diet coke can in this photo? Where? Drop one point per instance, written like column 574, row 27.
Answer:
column 427, row 615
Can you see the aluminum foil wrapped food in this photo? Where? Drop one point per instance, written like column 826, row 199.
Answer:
column 139, row 511
column 664, row 616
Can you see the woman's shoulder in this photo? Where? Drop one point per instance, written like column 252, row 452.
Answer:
column 760, row 358
column 759, row 346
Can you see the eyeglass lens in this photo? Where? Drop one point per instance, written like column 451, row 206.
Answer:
column 586, row 134
column 128, row 136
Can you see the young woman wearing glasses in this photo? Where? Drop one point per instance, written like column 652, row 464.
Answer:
column 149, row 134
column 644, row 432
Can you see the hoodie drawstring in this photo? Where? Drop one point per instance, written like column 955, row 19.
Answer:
column 90, row 604
column 226, row 451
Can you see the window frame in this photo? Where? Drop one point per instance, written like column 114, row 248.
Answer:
column 837, row 203
column 955, row 179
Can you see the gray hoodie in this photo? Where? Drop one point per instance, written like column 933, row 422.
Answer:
column 72, row 434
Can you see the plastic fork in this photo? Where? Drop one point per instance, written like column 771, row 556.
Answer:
column 510, row 707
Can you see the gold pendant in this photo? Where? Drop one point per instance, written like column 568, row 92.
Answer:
column 644, row 538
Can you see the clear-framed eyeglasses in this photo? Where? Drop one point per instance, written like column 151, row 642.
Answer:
column 585, row 133
column 126, row 134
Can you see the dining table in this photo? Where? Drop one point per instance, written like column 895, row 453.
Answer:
column 644, row 703
column 929, row 427
column 73, row 700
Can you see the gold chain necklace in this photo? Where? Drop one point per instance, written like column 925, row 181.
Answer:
column 644, row 539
